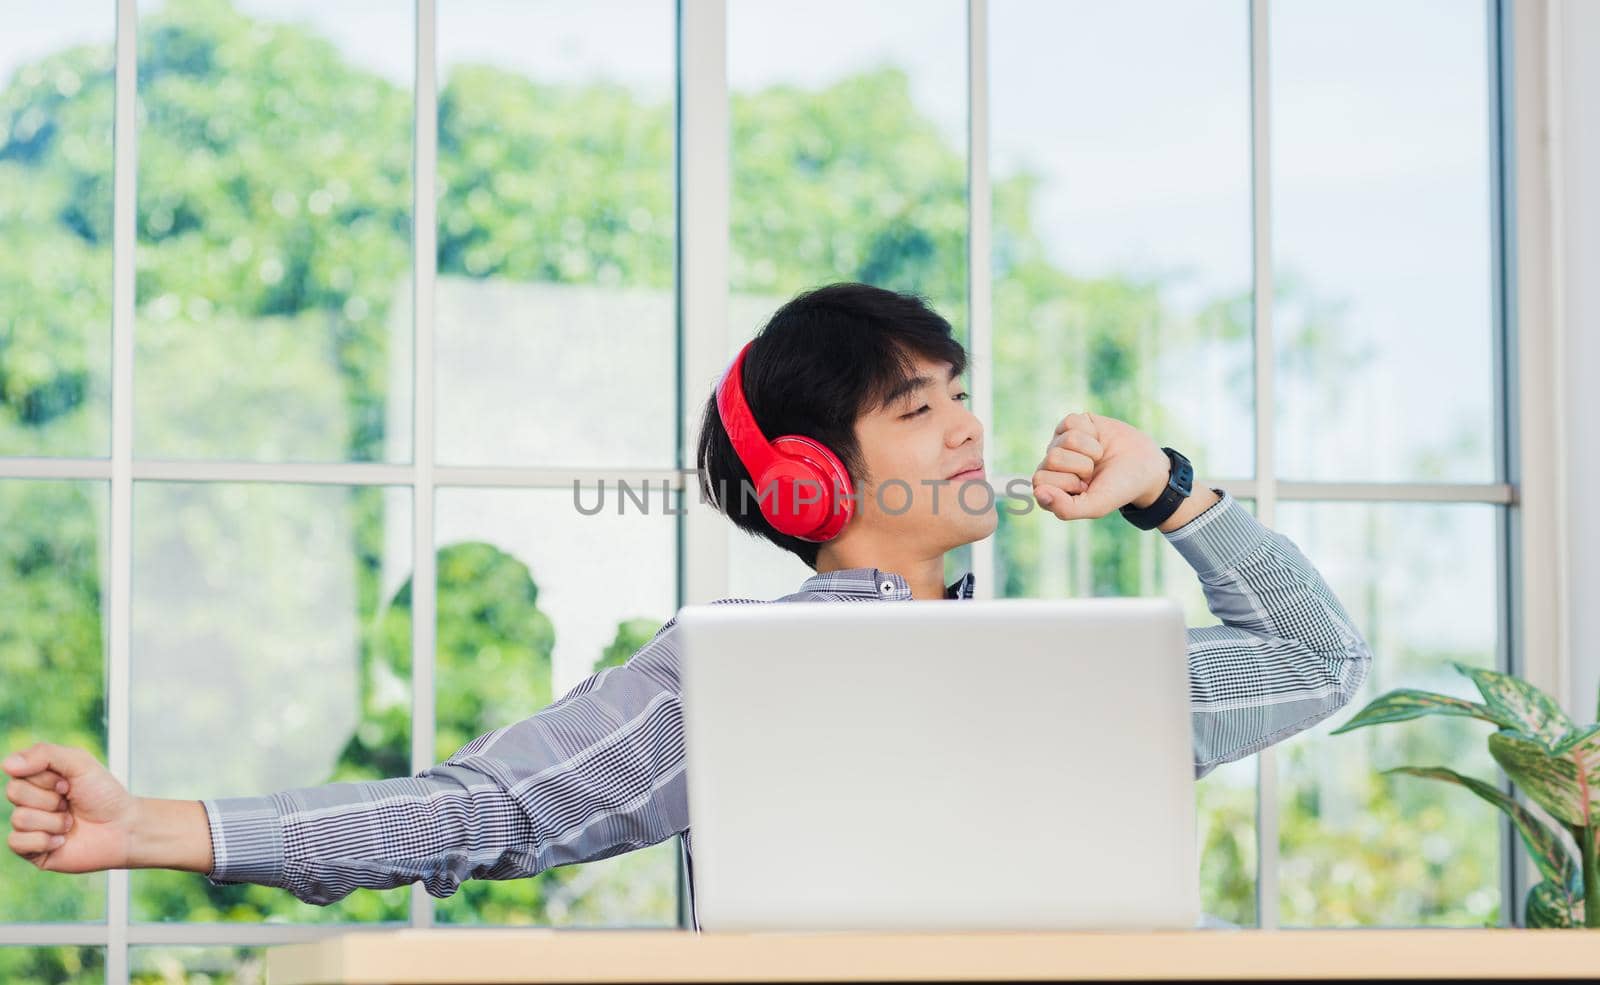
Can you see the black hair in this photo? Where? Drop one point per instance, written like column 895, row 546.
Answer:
column 823, row 360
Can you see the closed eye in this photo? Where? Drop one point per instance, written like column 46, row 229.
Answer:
column 963, row 395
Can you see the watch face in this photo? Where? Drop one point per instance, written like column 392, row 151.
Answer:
column 1182, row 476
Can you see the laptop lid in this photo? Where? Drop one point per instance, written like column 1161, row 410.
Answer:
column 985, row 765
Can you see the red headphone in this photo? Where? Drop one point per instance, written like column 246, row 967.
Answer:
column 791, row 463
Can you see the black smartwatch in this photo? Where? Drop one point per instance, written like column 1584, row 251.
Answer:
column 1180, row 482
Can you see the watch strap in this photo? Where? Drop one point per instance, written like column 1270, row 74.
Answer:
column 1180, row 483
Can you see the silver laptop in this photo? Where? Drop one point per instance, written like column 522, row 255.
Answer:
column 1012, row 764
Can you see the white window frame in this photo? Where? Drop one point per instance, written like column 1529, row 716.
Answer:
column 1528, row 454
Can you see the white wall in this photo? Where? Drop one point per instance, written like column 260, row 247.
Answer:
column 1575, row 147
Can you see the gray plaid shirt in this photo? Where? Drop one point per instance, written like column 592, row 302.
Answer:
column 601, row 770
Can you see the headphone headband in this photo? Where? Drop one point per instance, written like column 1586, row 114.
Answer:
column 749, row 443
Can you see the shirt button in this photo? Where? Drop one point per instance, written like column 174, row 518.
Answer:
column 887, row 587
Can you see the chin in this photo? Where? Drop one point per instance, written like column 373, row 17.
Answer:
column 975, row 528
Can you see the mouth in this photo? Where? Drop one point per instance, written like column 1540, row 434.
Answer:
column 968, row 474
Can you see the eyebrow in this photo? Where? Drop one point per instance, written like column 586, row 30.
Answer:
column 913, row 384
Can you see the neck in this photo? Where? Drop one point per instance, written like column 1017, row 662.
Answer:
column 924, row 573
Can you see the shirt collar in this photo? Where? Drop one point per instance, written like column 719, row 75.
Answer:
column 877, row 583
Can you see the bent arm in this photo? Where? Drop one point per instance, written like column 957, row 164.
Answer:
column 596, row 773
column 1287, row 654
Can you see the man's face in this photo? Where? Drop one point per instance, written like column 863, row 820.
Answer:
column 927, row 433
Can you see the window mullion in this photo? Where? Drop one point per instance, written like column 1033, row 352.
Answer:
column 1266, row 476
column 703, row 171
column 119, row 623
column 980, row 297
column 424, row 259
column 702, row 181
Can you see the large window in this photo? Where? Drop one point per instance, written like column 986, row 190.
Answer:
column 1121, row 251
column 1180, row 185
column 396, row 275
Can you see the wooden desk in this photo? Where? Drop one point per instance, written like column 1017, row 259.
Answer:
column 416, row 957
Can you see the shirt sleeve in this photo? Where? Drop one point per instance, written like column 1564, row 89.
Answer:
column 597, row 773
column 1286, row 655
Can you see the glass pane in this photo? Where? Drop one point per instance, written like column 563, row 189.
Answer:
column 53, row 545
column 534, row 596
column 555, row 299
column 274, row 230
column 197, row 966
column 1359, row 848
column 1039, row 556
column 1381, row 240
column 1122, row 277
column 53, row 965
column 1225, row 813
column 848, row 151
column 849, row 162
column 760, row 569
column 56, row 109
column 282, row 615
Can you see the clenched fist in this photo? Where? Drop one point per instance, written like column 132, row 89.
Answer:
column 71, row 814
column 1096, row 464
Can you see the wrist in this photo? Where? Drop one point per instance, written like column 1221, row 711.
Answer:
column 1196, row 503
column 169, row 834
column 1158, row 485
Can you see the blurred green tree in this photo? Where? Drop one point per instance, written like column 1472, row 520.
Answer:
column 278, row 215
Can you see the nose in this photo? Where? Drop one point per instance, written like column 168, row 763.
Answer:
column 967, row 428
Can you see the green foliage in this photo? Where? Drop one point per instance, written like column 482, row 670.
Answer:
column 511, row 153
column 273, row 236
column 55, row 255
column 50, row 652
column 850, row 178
column 1550, row 905
column 273, row 226
column 190, row 965
column 52, row 965
column 494, row 668
column 493, row 664
column 1549, row 854
column 1378, row 855
column 1403, row 704
column 1226, row 815
column 258, row 200
column 1556, row 763
column 1559, row 780
column 273, row 231
column 1519, row 705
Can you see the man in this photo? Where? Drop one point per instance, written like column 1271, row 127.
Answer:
column 874, row 378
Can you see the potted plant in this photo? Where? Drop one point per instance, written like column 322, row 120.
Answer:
column 1555, row 762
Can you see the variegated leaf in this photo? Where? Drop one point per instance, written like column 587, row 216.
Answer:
column 1566, row 782
column 1582, row 749
column 1526, row 708
column 1550, row 905
column 1406, row 703
column 1583, row 743
column 1544, row 843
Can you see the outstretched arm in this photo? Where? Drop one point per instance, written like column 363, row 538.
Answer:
column 594, row 774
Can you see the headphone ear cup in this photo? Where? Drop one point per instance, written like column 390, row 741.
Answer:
column 828, row 516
